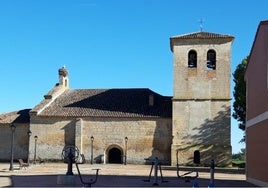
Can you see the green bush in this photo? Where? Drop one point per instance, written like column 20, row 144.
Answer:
column 239, row 163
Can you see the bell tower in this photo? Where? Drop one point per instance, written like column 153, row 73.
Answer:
column 201, row 98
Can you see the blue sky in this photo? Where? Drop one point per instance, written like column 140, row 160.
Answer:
column 109, row 43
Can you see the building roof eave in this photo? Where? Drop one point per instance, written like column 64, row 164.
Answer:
column 201, row 35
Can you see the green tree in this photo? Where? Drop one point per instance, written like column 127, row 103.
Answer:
column 239, row 159
column 241, row 156
column 239, row 105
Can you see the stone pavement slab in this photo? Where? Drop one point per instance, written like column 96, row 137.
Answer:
column 112, row 175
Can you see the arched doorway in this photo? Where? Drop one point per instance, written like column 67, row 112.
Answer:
column 115, row 156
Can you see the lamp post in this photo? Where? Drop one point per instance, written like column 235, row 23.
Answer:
column 126, row 139
column 13, row 128
column 92, row 140
column 29, row 133
column 35, row 140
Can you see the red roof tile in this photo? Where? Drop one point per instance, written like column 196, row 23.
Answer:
column 199, row 36
column 21, row 116
column 109, row 103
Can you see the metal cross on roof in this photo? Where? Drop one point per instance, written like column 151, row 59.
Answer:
column 201, row 22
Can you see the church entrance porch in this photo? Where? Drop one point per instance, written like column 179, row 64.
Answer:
column 115, row 155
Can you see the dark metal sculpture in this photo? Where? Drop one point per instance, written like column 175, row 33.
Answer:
column 186, row 176
column 70, row 155
column 212, row 169
column 91, row 180
column 156, row 163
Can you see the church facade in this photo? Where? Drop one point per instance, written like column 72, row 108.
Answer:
column 131, row 125
column 117, row 124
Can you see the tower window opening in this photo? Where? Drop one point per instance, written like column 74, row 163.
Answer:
column 211, row 60
column 192, row 59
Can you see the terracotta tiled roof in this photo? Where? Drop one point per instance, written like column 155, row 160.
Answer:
column 21, row 116
column 201, row 35
column 109, row 103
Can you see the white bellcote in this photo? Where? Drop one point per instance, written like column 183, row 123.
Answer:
column 63, row 77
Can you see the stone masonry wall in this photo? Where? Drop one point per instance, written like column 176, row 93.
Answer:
column 201, row 103
column 146, row 137
column 203, row 126
column 194, row 83
column 53, row 134
column 20, row 149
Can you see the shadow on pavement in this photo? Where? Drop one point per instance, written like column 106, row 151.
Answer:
column 120, row 181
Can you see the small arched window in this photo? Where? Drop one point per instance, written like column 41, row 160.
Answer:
column 211, row 60
column 192, row 59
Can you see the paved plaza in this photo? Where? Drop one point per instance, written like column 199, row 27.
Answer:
column 113, row 175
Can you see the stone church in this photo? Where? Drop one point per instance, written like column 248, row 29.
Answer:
column 128, row 125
